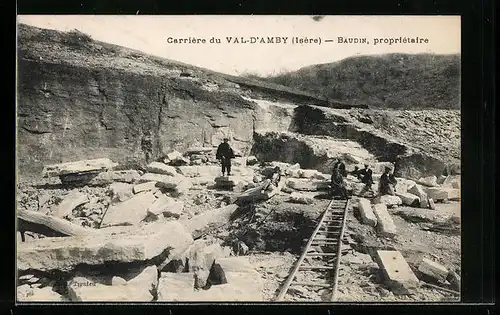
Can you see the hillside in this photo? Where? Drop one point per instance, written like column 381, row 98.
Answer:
column 400, row 81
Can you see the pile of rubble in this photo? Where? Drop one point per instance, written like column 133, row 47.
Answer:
column 108, row 234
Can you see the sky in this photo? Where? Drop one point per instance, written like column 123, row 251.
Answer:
column 150, row 34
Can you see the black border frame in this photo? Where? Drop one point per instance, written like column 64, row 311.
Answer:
column 478, row 146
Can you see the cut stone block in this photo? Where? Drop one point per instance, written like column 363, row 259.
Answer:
column 398, row 273
column 307, row 184
column 232, row 182
column 409, row 199
column 103, row 178
column 452, row 181
column 175, row 158
column 77, row 167
column 301, row 198
column 432, row 205
column 308, row 173
column 166, row 206
column 179, row 184
column 144, row 187
column 208, row 171
column 161, row 168
column 70, row 202
column 118, row 244
column 385, row 223
column 121, row 191
column 27, row 294
column 418, row 191
column 240, row 287
column 236, row 264
column 173, row 287
column 129, row 212
column 389, row 201
column 366, row 212
column 200, row 223
column 433, row 269
column 443, row 193
column 429, row 181
column 403, row 185
column 137, row 289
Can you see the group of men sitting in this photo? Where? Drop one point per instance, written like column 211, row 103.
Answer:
column 338, row 185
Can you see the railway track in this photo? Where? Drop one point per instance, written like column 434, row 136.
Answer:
column 320, row 259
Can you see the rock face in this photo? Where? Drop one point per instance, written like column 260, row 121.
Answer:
column 128, row 109
column 126, row 246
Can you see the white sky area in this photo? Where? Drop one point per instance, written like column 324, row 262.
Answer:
column 149, row 34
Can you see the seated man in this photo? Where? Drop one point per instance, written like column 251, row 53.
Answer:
column 337, row 184
column 272, row 180
column 387, row 182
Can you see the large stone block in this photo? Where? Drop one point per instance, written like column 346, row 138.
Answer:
column 385, row 224
column 166, row 206
column 70, row 202
column 129, row 212
column 123, row 244
column 46, row 294
column 403, row 185
column 388, row 200
column 409, row 199
column 174, row 287
column 147, row 186
column 307, row 184
column 137, row 289
column 209, row 171
column 366, row 212
column 200, row 223
column 418, row 191
column 397, row 272
column 161, row 168
column 429, row 181
column 301, row 198
column 78, row 167
column 240, row 287
column 178, row 184
column 121, row 191
column 442, row 193
column 433, row 269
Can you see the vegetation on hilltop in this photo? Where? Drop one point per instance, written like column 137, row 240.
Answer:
column 403, row 81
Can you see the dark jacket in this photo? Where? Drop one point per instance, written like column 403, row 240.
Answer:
column 224, row 151
column 367, row 177
column 337, row 179
column 385, row 181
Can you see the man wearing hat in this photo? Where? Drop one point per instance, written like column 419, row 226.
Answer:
column 225, row 153
column 387, row 182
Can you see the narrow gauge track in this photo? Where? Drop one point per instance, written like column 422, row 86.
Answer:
column 321, row 256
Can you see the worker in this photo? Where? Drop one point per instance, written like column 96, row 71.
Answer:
column 387, row 182
column 337, row 183
column 272, row 180
column 225, row 153
column 342, row 168
column 367, row 179
column 364, row 171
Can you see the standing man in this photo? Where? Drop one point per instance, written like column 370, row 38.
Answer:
column 225, row 154
column 367, row 179
column 338, row 185
column 387, row 182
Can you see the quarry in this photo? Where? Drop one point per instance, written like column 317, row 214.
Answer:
column 120, row 197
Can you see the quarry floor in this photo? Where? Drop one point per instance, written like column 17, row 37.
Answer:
column 278, row 230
